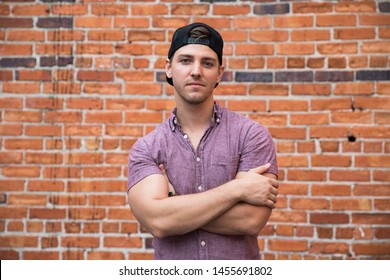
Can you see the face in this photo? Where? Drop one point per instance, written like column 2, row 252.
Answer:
column 195, row 71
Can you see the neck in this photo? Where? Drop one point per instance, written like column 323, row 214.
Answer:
column 195, row 117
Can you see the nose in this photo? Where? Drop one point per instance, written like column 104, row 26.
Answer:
column 196, row 70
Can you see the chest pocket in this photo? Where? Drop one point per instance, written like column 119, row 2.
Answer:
column 224, row 168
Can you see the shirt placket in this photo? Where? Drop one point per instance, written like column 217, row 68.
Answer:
column 200, row 176
column 199, row 157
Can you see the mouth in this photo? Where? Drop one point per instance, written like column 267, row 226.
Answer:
column 195, row 84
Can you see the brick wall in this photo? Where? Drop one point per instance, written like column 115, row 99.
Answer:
column 80, row 81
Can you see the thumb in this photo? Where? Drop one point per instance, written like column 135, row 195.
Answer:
column 162, row 169
column 262, row 168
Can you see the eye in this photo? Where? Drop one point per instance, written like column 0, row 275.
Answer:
column 185, row 60
column 208, row 63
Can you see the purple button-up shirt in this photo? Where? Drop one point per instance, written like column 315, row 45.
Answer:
column 232, row 143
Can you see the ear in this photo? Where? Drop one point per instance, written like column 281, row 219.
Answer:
column 168, row 70
column 221, row 70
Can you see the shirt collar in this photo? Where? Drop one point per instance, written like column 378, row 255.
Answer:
column 216, row 118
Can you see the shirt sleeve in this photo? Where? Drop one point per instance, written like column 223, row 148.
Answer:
column 140, row 164
column 258, row 149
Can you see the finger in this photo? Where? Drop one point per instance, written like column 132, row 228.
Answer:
column 270, row 204
column 261, row 169
column 275, row 183
column 274, row 191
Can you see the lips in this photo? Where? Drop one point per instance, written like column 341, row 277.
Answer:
column 195, row 84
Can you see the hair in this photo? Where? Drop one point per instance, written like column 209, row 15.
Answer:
column 200, row 32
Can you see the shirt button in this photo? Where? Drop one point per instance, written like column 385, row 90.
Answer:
column 185, row 136
column 200, row 188
column 203, row 243
column 198, row 159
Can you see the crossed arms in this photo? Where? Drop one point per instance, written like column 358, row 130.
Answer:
column 239, row 207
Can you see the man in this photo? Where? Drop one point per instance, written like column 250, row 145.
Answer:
column 204, row 181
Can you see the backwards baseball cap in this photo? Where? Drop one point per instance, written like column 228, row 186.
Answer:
column 181, row 37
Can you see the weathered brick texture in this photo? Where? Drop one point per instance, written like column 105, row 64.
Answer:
column 80, row 81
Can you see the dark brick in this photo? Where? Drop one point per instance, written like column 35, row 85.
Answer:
column 15, row 22
column 56, row 1
column 149, row 243
column 254, row 77
column 217, row 1
column 161, row 77
column 227, row 76
column 274, row 9
column 17, row 62
column 55, row 23
column 47, row 61
column 294, row 76
column 384, row 7
column 334, row 76
column 374, row 75
column 56, row 61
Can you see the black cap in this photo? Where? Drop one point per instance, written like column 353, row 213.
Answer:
column 181, row 37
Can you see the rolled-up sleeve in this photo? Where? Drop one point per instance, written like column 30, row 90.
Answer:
column 140, row 164
column 258, row 149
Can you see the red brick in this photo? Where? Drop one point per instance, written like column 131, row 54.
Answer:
column 229, row 10
column 148, row 9
column 268, row 35
column 106, row 256
column 331, row 104
column 309, row 203
column 265, row 89
column 15, row 241
column 146, row 89
column 128, row 22
column 295, row 49
column 331, row 190
column 337, row 48
column 31, row 10
column 376, row 47
column 79, row 242
column 110, row 9
column 380, row 219
column 323, row 218
column 18, row 171
column 293, row 22
column 336, row 20
column 93, row 22
column 350, row 175
column 106, row 35
column 351, row 204
column 329, row 248
column 310, row 35
column 310, row 89
column 103, row 117
column 122, row 242
column 375, row 249
column 288, row 245
column 71, row 199
column 308, row 119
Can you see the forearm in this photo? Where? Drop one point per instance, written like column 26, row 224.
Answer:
column 165, row 216
column 242, row 219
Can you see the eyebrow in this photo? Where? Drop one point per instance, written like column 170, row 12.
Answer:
column 191, row 56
